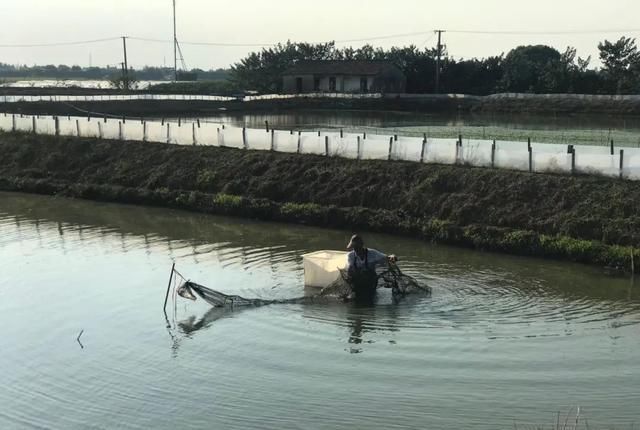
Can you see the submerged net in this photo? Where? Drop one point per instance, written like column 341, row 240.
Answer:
column 344, row 288
column 392, row 278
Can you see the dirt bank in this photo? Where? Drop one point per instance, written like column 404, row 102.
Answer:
column 582, row 218
column 505, row 103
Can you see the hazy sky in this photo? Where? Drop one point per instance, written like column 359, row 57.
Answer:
column 271, row 21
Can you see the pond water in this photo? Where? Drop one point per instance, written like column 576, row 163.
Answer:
column 502, row 341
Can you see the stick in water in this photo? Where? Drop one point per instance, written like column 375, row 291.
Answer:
column 78, row 339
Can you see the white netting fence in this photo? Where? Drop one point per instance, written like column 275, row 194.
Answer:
column 515, row 155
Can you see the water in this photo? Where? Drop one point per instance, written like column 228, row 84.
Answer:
column 71, row 83
column 502, row 340
column 564, row 129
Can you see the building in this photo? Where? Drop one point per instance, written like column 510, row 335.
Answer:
column 344, row 77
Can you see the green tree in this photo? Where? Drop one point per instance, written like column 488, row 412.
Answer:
column 621, row 61
column 531, row 69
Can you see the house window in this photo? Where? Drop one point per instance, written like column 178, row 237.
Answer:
column 332, row 83
column 316, row 84
column 364, row 85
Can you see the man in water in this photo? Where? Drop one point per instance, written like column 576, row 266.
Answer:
column 361, row 268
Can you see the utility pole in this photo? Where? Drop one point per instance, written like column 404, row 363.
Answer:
column 125, row 65
column 438, row 60
column 175, row 44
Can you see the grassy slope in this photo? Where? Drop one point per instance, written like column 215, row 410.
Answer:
column 535, row 214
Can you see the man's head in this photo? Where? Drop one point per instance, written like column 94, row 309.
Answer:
column 356, row 243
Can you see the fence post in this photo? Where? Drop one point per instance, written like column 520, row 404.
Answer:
column 179, row 122
column 530, row 159
column 424, row 148
column 364, row 136
column 299, row 141
column 105, row 119
column 572, row 151
column 198, row 122
column 622, row 164
column 493, row 154
column 144, row 131
column 266, row 124
column 395, row 137
column 168, row 133
column 100, row 132
column 529, row 144
column 273, row 140
column 56, row 122
column 34, row 125
column 326, row 146
column 13, row 122
column 120, row 132
column 341, row 133
column 193, row 133
column 390, row 148
column 78, row 127
column 359, row 149
column 612, row 151
column 244, row 138
column 124, row 119
column 162, row 121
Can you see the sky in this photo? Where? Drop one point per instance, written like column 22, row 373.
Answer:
column 559, row 23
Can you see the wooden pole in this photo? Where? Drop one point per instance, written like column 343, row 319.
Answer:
column 266, row 124
column 144, row 131
column 273, row 140
column 424, row 148
column 78, row 127
column 299, row 141
column 493, row 154
column 530, row 159
column 56, row 122
column 326, row 146
column 34, row 125
column 244, row 138
column 166, row 298
column 390, row 148
column 622, row 164
column 193, row 133
column 359, row 149
column 120, row 132
column 612, row 150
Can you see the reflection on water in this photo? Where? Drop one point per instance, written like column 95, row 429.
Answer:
column 500, row 339
column 391, row 119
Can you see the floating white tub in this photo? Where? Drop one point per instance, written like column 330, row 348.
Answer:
column 321, row 268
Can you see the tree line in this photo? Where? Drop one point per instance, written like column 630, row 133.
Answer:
column 52, row 71
column 525, row 69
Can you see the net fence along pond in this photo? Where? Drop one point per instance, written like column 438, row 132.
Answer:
column 531, row 156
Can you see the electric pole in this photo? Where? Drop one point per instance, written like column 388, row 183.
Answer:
column 125, row 65
column 175, row 44
column 438, row 60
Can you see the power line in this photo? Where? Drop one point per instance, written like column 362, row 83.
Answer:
column 146, row 39
column 365, row 39
column 542, row 33
column 39, row 45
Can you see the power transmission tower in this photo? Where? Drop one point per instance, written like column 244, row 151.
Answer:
column 175, row 44
column 438, row 60
column 125, row 65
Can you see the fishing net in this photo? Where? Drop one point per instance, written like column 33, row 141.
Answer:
column 392, row 278
column 346, row 287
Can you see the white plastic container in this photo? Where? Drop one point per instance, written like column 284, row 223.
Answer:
column 321, row 268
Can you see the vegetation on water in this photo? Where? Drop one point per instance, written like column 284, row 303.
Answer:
column 580, row 218
column 525, row 69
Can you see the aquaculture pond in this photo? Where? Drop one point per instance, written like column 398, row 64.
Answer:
column 502, row 341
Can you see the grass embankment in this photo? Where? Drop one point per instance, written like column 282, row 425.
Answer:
column 582, row 218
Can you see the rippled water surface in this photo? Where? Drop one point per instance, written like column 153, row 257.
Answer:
column 503, row 341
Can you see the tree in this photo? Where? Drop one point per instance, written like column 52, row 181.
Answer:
column 531, row 69
column 621, row 61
